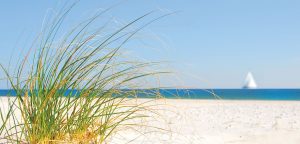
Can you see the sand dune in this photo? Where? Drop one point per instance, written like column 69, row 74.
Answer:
column 218, row 122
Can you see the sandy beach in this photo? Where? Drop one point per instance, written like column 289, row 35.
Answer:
column 228, row 122
column 219, row 122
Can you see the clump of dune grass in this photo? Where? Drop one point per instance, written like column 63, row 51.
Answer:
column 69, row 90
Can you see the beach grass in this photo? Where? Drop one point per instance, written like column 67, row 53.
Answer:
column 70, row 90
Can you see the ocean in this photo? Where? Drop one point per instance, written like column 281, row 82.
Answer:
column 234, row 94
column 226, row 94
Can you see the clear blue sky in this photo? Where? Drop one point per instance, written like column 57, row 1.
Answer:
column 210, row 44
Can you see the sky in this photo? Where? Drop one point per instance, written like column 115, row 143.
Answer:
column 207, row 44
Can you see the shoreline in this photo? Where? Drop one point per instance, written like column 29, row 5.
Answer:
column 208, row 100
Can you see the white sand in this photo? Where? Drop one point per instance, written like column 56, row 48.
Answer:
column 222, row 122
column 229, row 122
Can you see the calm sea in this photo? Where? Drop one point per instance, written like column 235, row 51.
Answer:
column 228, row 94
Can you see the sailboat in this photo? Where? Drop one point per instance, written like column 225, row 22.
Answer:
column 250, row 82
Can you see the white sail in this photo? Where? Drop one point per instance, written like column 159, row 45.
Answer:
column 250, row 82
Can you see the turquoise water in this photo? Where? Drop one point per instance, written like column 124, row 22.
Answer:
column 235, row 94
column 227, row 94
